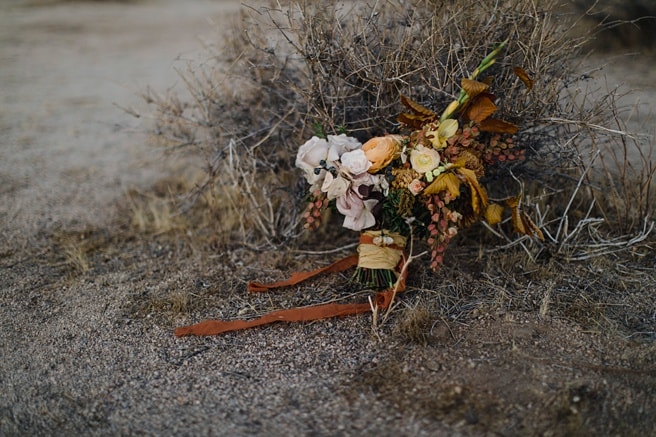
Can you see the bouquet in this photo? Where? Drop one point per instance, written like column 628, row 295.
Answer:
column 422, row 183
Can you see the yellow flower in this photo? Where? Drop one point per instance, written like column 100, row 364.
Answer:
column 380, row 151
column 424, row 159
column 446, row 130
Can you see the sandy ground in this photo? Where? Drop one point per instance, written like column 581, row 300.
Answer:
column 67, row 69
column 78, row 359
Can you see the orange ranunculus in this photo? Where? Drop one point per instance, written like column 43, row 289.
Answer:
column 380, row 151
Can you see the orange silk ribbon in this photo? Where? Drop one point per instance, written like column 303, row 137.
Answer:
column 302, row 314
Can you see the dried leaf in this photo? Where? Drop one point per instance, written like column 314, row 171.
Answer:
column 480, row 108
column 478, row 193
column 420, row 114
column 513, row 202
column 523, row 75
column 498, row 126
column 416, row 107
column 445, row 182
column 522, row 223
column 494, row 213
column 413, row 121
column 530, row 227
column 473, row 87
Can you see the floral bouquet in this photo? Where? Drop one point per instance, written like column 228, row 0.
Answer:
column 423, row 183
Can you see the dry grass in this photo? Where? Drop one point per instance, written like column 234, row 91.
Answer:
column 73, row 251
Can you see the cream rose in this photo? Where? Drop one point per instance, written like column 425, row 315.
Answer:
column 355, row 162
column 380, row 151
column 340, row 144
column 424, row 159
column 309, row 157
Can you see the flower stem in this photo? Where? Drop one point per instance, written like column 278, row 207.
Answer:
column 463, row 97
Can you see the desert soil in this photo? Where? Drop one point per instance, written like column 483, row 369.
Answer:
column 88, row 305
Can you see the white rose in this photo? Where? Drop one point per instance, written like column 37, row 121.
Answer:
column 355, row 162
column 309, row 157
column 335, row 186
column 424, row 159
column 340, row 144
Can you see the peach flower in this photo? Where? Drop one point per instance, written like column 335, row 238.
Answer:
column 415, row 187
column 380, row 151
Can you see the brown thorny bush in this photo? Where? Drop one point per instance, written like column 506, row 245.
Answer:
column 290, row 70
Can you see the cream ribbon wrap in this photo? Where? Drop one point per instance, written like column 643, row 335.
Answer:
column 380, row 250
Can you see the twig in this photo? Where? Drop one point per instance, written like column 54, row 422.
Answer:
column 328, row 251
column 564, row 220
column 591, row 126
column 402, row 275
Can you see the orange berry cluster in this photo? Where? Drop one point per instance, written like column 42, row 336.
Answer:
column 441, row 229
column 502, row 149
column 313, row 210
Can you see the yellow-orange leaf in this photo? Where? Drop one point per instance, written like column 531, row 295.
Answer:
column 414, row 121
column 478, row 193
column 530, row 227
column 473, row 87
column 494, row 213
column 498, row 126
column 445, row 182
column 420, row 115
column 523, row 75
column 522, row 223
column 416, row 107
column 480, row 109
column 513, row 204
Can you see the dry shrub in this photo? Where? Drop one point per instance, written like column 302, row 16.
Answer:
column 295, row 69
column 620, row 24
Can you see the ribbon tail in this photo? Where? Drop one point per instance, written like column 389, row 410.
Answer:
column 338, row 266
column 382, row 300
column 306, row 314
